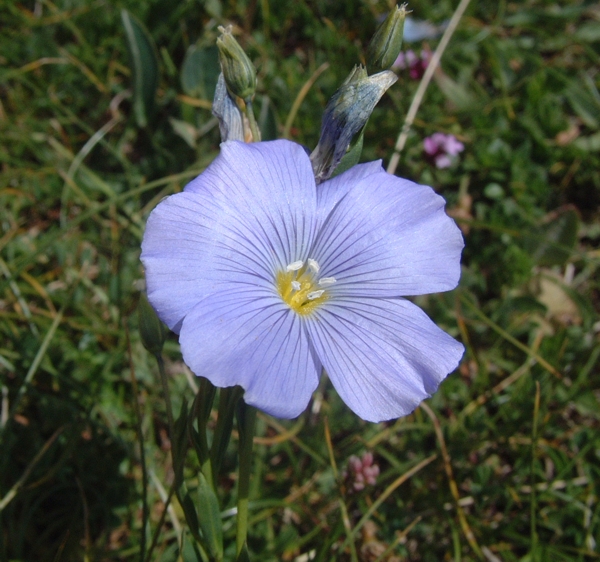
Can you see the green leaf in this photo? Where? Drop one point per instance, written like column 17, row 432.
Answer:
column 191, row 517
column 144, row 67
column 588, row 32
column 456, row 93
column 553, row 242
column 590, row 143
column 209, row 518
column 185, row 130
column 200, row 72
column 244, row 555
column 214, row 8
column 267, row 119
column 584, row 103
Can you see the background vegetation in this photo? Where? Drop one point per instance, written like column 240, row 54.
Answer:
column 503, row 464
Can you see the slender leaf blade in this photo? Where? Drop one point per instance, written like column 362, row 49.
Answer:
column 144, row 67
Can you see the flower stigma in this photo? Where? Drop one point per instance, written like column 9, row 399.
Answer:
column 299, row 287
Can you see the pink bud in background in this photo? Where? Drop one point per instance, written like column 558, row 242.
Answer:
column 361, row 472
column 416, row 64
column 442, row 149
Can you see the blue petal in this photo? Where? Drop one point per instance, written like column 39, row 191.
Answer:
column 178, row 255
column 248, row 215
column 248, row 337
column 271, row 185
column 389, row 237
column 383, row 356
column 331, row 192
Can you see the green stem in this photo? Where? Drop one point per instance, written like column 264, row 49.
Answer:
column 160, row 524
column 534, row 437
column 179, row 485
column 252, row 119
column 140, row 436
column 167, row 396
column 427, row 76
column 33, row 369
column 246, row 424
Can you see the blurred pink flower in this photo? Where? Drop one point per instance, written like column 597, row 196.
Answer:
column 361, row 472
column 442, row 149
column 416, row 64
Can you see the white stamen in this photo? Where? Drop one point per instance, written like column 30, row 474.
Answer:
column 326, row 281
column 312, row 264
column 295, row 266
column 314, row 295
column 296, row 285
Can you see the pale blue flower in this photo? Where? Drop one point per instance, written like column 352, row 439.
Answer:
column 267, row 278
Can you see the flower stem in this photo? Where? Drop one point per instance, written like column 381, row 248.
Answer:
column 140, row 437
column 534, row 556
column 167, row 396
column 252, row 119
column 416, row 102
column 246, row 424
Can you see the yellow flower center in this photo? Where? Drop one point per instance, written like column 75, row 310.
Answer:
column 299, row 287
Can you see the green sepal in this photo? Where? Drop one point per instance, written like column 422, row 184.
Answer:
column 237, row 68
column 152, row 330
column 352, row 156
column 385, row 45
column 209, row 516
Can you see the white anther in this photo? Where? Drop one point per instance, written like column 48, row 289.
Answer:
column 296, row 285
column 294, row 266
column 326, row 281
column 314, row 295
column 312, row 264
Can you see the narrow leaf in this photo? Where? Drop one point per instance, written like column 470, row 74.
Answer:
column 144, row 67
column 200, row 72
column 209, row 517
column 553, row 242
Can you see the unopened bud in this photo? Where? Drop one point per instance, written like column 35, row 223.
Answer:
column 346, row 113
column 238, row 70
column 224, row 108
column 152, row 330
column 385, row 45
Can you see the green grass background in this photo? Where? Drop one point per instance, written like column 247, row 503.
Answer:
column 480, row 472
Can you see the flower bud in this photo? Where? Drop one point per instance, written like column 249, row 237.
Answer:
column 347, row 113
column 224, row 108
column 152, row 330
column 385, row 45
column 239, row 73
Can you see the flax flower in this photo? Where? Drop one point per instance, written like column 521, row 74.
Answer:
column 269, row 278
